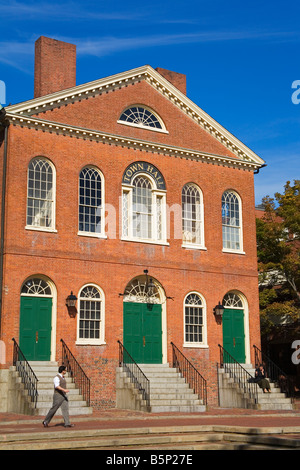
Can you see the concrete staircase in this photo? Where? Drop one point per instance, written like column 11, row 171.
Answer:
column 45, row 372
column 168, row 391
column 231, row 395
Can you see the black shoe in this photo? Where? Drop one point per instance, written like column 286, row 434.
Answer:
column 45, row 424
column 69, row 425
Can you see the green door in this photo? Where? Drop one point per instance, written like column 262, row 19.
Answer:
column 233, row 333
column 35, row 328
column 142, row 332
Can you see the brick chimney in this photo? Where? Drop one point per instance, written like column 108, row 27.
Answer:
column 177, row 79
column 55, row 66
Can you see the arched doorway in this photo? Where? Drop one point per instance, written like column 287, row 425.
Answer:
column 234, row 326
column 36, row 319
column 143, row 321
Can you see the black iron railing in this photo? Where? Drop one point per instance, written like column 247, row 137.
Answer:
column 76, row 372
column 239, row 374
column 274, row 373
column 191, row 375
column 28, row 377
column 135, row 373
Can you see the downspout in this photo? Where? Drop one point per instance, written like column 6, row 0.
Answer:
column 4, row 124
column 262, row 166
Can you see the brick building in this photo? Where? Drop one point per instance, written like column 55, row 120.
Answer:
column 103, row 181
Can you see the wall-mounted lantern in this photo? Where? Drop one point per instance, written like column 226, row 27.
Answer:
column 218, row 312
column 71, row 305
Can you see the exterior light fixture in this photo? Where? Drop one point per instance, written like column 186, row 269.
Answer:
column 149, row 286
column 218, row 311
column 71, row 305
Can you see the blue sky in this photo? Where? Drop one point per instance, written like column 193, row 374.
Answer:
column 241, row 60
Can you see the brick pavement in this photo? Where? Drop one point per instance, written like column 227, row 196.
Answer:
column 10, row 422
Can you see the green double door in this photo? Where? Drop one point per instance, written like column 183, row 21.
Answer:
column 35, row 328
column 234, row 334
column 142, row 332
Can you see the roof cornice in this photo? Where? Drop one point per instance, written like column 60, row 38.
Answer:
column 136, row 144
column 157, row 81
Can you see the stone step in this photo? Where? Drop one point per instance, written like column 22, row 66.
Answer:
column 188, row 438
column 168, row 390
column 73, row 410
column 172, row 395
column 45, row 372
column 178, row 408
column 276, row 400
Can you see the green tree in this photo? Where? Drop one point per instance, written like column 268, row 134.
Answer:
column 278, row 248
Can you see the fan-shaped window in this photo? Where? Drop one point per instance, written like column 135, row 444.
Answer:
column 36, row 286
column 232, row 300
column 136, row 291
column 140, row 116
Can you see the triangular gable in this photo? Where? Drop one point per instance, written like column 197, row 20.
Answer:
column 26, row 110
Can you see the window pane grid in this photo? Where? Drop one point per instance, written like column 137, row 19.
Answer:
column 40, row 194
column 90, row 313
column 193, row 319
column 231, row 221
column 142, row 208
column 141, row 117
column 90, row 201
column 191, row 214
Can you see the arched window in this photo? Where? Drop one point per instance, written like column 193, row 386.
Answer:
column 90, row 315
column 192, row 216
column 231, row 222
column 141, row 116
column 36, row 286
column 232, row 300
column 194, row 320
column 143, row 208
column 41, row 194
column 91, row 202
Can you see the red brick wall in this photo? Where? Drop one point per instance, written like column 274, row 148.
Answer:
column 55, row 66
column 71, row 261
column 103, row 111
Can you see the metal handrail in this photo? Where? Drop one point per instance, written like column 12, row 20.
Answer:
column 239, row 374
column 76, row 372
column 274, row 373
column 191, row 375
column 137, row 376
column 28, row 377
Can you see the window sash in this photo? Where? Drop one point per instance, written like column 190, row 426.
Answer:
column 40, row 194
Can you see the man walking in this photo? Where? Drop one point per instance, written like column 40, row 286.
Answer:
column 60, row 399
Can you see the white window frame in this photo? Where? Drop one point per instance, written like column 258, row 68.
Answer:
column 51, row 228
column 199, row 244
column 159, row 235
column 141, row 125
column 203, row 343
column 100, row 234
column 239, row 227
column 101, row 339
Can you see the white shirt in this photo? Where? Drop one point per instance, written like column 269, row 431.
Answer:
column 56, row 381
